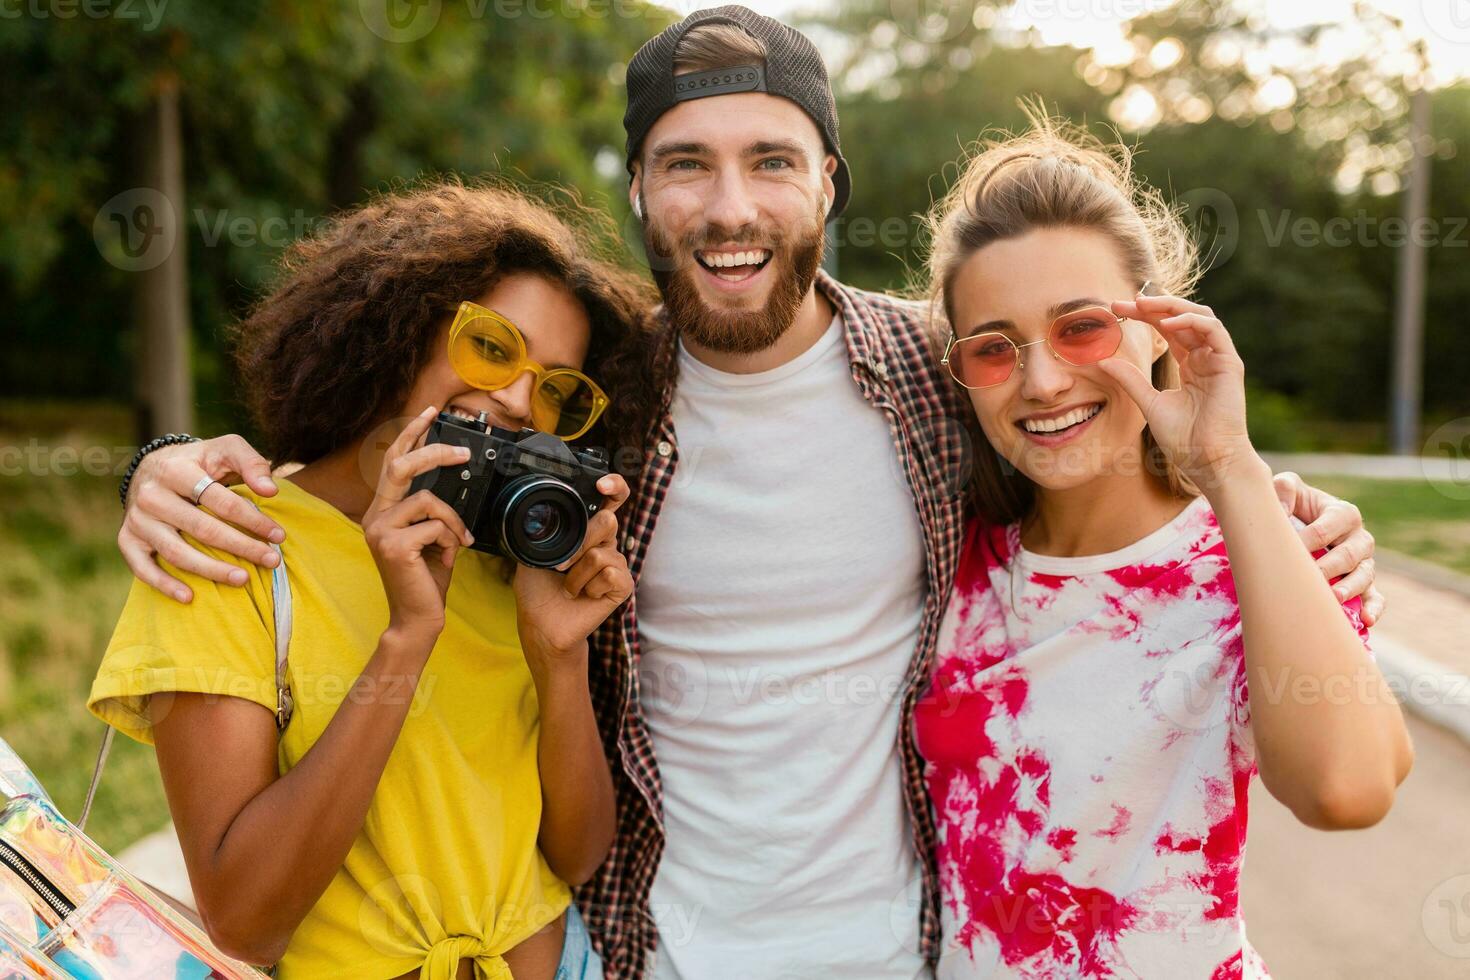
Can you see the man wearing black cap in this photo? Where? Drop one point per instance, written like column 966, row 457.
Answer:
column 806, row 480
column 806, row 496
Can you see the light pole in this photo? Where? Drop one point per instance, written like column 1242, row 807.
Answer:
column 1408, row 349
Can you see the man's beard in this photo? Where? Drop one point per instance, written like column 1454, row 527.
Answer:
column 795, row 261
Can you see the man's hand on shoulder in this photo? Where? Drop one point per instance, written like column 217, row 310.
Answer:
column 161, row 508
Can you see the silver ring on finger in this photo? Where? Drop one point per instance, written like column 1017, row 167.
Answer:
column 199, row 488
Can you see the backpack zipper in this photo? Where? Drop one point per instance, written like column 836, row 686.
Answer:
column 50, row 894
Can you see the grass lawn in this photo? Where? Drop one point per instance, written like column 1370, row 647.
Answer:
column 1410, row 517
column 62, row 584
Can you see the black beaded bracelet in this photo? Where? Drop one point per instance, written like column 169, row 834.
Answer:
column 172, row 439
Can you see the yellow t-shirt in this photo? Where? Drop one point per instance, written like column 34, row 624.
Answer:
column 446, row 864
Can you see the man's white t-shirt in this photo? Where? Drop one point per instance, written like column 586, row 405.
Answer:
column 778, row 609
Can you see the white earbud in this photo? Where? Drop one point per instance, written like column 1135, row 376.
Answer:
column 638, row 206
column 826, row 204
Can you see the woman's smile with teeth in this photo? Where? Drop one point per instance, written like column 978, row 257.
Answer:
column 462, row 412
column 1075, row 417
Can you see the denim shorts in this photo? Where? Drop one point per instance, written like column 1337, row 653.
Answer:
column 578, row 960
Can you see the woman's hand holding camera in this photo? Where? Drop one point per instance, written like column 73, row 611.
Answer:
column 558, row 609
column 415, row 539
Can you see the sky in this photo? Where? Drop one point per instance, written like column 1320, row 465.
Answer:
column 1444, row 25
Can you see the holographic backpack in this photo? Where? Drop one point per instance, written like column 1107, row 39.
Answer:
column 68, row 911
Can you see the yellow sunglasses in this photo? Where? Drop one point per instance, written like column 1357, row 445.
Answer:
column 489, row 353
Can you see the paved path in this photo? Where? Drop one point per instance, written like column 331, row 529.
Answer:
column 1388, row 903
column 1392, row 901
column 1451, row 472
column 1434, row 622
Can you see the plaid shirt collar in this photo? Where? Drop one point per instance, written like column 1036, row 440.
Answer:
column 866, row 347
column 897, row 372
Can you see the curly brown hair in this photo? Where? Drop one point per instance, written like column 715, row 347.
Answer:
column 336, row 346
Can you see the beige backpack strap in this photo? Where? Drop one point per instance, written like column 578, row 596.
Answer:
column 281, row 593
column 102, row 752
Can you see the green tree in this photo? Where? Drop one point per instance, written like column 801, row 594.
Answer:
column 1252, row 150
column 289, row 110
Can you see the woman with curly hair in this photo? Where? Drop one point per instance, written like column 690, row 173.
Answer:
column 439, row 782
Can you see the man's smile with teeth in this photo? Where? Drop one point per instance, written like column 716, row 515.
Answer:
column 734, row 265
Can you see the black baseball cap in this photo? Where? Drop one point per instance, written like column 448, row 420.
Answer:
column 793, row 70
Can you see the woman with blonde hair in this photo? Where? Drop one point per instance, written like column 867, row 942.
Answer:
column 1133, row 618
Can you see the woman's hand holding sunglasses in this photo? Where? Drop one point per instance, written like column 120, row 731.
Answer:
column 559, row 608
column 1200, row 424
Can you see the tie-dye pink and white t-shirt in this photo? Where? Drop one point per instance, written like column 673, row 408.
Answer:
column 1089, row 751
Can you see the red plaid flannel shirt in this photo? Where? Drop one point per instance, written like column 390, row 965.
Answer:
column 898, row 373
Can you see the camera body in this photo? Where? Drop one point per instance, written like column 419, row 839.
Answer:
column 524, row 495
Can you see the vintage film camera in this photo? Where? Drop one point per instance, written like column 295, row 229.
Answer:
column 525, row 495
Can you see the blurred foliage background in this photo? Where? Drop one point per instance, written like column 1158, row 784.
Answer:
column 289, row 110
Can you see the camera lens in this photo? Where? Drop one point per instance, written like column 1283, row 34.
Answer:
column 542, row 521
